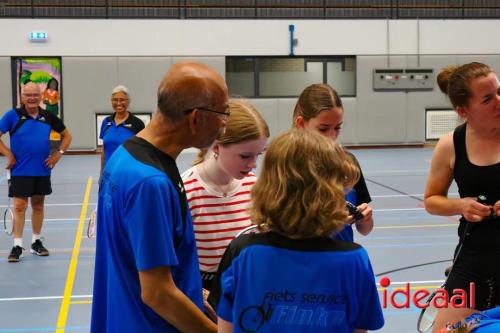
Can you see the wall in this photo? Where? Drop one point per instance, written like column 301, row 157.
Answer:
column 99, row 54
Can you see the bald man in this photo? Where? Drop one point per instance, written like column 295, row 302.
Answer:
column 146, row 270
column 30, row 163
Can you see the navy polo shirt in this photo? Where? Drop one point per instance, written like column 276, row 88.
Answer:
column 30, row 143
column 114, row 135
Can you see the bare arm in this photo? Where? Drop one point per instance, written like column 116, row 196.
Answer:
column 159, row 292
column 53, row 158
column 360, row 331
column 224, row 326
column 440, row 177
column 11, row 160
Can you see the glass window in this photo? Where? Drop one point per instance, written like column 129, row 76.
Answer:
column 287, row 76
column 341, row 75
column 240, row 76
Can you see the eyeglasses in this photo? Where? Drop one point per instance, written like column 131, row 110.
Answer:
column 226, row 113
column 31, row 95
column 119, row 100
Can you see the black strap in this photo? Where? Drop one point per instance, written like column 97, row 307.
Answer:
column 23, row 116
column 22, row 119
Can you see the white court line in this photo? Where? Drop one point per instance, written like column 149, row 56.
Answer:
column 60, row 204
column 398, row 209
column 407, row 195
column 402, row 283
column 40, row 298
column 54, row 220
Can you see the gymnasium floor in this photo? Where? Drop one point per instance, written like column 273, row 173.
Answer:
column 53, row 294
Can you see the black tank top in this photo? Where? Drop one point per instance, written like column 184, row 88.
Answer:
column 472, row 181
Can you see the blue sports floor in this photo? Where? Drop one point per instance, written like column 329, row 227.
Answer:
column 53, row 294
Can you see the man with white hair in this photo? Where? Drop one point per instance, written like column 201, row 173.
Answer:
column 30, row 163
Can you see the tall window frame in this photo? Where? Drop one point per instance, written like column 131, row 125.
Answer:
column 251, row 87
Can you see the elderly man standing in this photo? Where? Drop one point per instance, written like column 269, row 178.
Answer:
column 146, row 271
column 30, row 163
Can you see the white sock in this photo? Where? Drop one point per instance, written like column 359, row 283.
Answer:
column 18, row 242
column 34, row 238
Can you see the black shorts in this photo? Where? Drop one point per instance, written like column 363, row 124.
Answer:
column 482, row 269
column 28, row 186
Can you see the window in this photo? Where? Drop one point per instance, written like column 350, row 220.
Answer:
column 288, row 76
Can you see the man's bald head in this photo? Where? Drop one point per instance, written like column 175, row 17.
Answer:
column 31, row 88
column 188, row 85
column 31, row 97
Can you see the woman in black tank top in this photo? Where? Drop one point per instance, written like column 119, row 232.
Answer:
column 471, row 156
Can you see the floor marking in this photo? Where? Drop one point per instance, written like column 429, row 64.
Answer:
column 40, row 298
column 417, row 226
column 414, row 282
column 44, row 329
column 60, row 204
column 407, row 195
column 398, row 209
column 63, row 312
column 80, row 302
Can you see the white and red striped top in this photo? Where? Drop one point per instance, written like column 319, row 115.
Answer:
column 216, row 219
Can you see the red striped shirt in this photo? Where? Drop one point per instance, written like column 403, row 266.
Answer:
column 216, row 219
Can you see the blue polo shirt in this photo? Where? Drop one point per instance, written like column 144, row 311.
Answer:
column 268, row 283
column 30, row 142
column 144, row 223
column 114, row 135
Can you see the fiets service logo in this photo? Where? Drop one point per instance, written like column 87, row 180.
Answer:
column 402, row 297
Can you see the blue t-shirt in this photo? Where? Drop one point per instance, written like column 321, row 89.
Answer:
column 483, row 322
column 114, row 135
column 357, row 196
column 30, row 142
column 269, row 283
column 144, row 223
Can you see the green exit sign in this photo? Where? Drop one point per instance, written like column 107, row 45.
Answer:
column 38, row 36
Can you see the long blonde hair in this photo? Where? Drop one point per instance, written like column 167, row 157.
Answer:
column 300, row 190
column 244, row 124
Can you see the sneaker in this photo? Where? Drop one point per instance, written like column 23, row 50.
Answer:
column 15, row 254
column 38, row 249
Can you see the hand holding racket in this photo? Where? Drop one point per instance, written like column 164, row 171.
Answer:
column 8, row 214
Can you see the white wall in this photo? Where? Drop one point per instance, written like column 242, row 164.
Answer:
column 248, row 37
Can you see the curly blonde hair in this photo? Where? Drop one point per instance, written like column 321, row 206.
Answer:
column 300, row 190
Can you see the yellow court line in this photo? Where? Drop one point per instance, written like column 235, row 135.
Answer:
column 68, row 289
column 417, row 226
column 80, row 302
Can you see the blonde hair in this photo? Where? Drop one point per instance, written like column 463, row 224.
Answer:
column 454, row 81
column 244, row 124
column 314, row 99
column 300, row 190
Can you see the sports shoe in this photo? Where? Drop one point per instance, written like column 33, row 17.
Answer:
column 15, row 254
column 38, row 249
